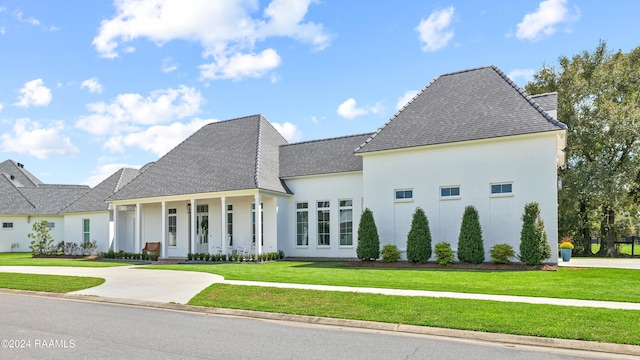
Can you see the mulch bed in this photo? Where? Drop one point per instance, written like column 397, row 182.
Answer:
column 455, row 266
column 62, row 256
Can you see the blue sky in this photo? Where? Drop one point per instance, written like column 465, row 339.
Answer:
column 87, row 87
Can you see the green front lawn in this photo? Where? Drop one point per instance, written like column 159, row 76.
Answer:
column 587, row 284
column 25, row 259
column 603, row 325
column 48, row 283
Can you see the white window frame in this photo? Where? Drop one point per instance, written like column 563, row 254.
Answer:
column 86, row 233
column 229, row 224
column 7, row 225
column 302, row 207
column 450, row 197
column 346, row 205
column 51, row 225
column 501, row 184
column 324, row 209
column 404, row 193
column 172, row 214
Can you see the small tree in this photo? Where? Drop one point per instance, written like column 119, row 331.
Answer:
column 368, row 240
column 419, row 238
column 42, row 241
column 470, row 246
column 531, row 250
column 545, row 248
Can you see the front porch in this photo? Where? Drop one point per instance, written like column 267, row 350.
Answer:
column 204, row 223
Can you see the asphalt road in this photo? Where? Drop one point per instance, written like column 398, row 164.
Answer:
column 33, row 327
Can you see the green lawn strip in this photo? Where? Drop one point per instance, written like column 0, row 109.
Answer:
column 591, row 324
column 25, row 259
column 48, row 283
column 572, row 283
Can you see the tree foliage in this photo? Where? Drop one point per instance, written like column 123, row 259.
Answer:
column 42, row 242
column 534, row 246
column 368, row 240
column 599, row 101
column 470, row 244
column 419, row 238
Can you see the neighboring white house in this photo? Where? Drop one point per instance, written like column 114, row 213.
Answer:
column 469, row 138
column 25, row 200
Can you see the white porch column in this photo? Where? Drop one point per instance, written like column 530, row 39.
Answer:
column 114, row 240
column 258, row 224
column 138, row 234
column 192, row 235
column 223, row 224
column 163, row 231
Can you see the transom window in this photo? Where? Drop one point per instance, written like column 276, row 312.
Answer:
column 404, row 195
column 502, row 188
column 346, row 222
column 7, row 225
column 450, row 191
column 302, row 224
column 202, row 209
column 324, row 229
column 51, row 225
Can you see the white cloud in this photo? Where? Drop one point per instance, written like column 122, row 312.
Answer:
column 1, row 106
column 102, row 172
column 3, row 30
column 20, row 16
column 543, row 22
column 29, row 137
column 169, row 65
column 349, row 110
column 525, row 74
column 93, row 85
column 227, row 30
column 289, row 131
column 408, row 96
column 156, row 139
column 127, row 112
column 434, row 31
column 34, row 93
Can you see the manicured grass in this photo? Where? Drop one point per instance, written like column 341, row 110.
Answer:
column 25, row 259
column 49, row 283
column 603, row 325
column 587, row 284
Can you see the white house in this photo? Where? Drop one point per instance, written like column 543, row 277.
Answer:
column 468, row 138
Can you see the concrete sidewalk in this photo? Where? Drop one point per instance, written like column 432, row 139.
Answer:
column 617, row 263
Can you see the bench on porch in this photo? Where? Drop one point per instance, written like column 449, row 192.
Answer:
column 152, row 247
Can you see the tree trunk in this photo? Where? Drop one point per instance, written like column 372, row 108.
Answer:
column 608, row 244
column 585, row 233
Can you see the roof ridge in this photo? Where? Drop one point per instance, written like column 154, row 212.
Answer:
column 328, row 139
column 26, row 198
column 527, row 97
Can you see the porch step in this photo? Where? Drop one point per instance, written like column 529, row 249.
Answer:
column 165, row 261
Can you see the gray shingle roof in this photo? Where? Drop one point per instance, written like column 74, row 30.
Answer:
column 94, row 199
column 51, row 199
column 548, row 101
column 325, row 156
column 12, row 201
column 474, row 104
column 19, row 172
column 228, row 155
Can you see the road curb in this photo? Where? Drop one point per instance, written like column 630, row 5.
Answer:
column 361, row 324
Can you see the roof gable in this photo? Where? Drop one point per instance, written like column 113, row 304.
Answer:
column 235, row 154
column 474, row 104
column 18, row 171
column 94, row 199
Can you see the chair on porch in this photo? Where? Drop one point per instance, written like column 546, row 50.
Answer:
column 245, row 250
column 152, row 247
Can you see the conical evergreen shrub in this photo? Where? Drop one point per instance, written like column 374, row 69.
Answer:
column 419, row 238
column 470, row 246
column 368, row 241
column 545, row 248
column 530, row 248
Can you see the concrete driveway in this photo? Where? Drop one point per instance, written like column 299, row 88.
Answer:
column 132, row 282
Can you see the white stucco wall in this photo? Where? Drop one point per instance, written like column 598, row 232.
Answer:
column 22, row 227
column 311, row 189
column 98, row 228
column 529, row 162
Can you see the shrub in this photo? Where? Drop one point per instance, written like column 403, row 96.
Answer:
column 368, row 240
column 444, row 253
column 390, row 253
column 501, row 253
column 207, row 257
column 42, row 242
column 88, row 247
column 280, row 254
column 534, row 246
column 419, row 238
column 470, row 247
column 70, row 248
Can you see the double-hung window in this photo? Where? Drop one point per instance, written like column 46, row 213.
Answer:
column 346, row 222
column 324, row 229
column 302, row 224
